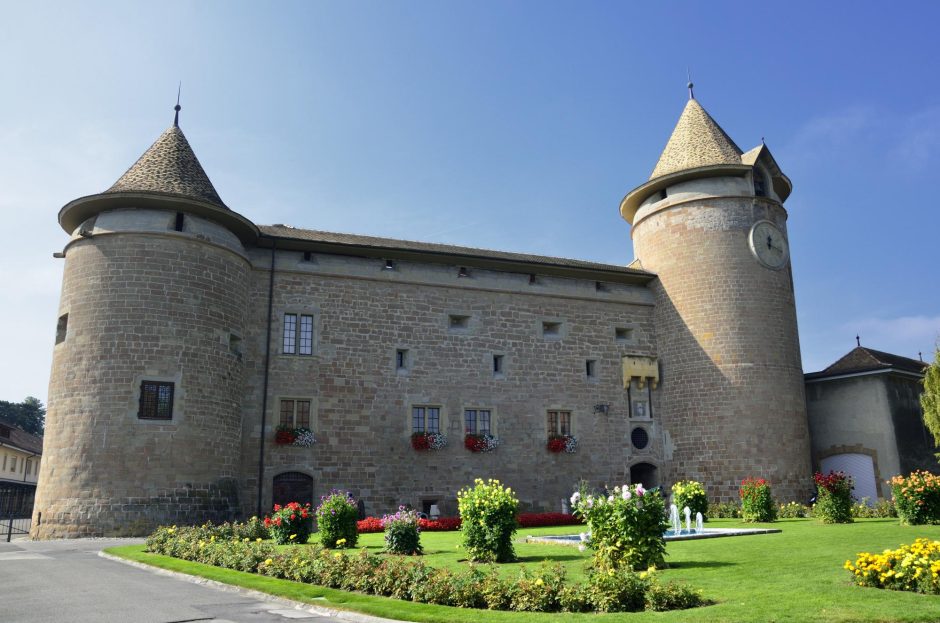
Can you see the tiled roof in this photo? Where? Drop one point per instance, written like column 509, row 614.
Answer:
column 169, row 167
column 20, row 438
column 697, row 141
column 355, row 240
column 861, row 359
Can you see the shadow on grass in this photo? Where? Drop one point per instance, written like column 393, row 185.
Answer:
column 701, row 564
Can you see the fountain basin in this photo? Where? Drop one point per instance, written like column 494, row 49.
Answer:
column 669, row 535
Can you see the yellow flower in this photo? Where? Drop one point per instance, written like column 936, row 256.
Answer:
column 293, row 536
column 539, row 582
column 258, row 540
column 336, row 555
column 268, row 561
column 338, row 541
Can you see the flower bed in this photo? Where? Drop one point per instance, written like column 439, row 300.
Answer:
column 540, row 590
column 448, row 524
column 562, row 443
column 914, row 567
column 917, row 497
column 428, row 441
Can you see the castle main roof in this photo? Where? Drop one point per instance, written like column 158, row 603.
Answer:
column 696, row 141
column 861, row 359
column 169, row 167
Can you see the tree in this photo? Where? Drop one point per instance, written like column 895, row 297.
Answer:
column 30, row 415
column 930, row 399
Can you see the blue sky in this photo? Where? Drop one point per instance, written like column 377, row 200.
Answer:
column 505, row 125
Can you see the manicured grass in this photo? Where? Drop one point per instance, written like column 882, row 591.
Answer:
column 796, row 575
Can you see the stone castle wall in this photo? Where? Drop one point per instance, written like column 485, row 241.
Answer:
column 156, row 305
column 362, row 404
column 733, row 393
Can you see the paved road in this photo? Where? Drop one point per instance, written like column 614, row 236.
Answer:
column 67, row 582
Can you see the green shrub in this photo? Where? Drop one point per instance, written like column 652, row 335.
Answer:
column 539, row 591
column 402, row 533
column 882, row 509
column 336, row 520
column 833, row 498
column 793, row 510
column 724, row 510
column 757, row 504
column 542, row 590
column 671, row 596
column 626, row 527
column 917, row 498
column 488, row 521
column 292, row 523
column 692, row 494
column 252, row 529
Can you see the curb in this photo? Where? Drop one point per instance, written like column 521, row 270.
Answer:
column 342, row 615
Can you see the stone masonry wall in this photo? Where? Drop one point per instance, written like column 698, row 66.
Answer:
column 159, row 306
column 362, row 404
column 733, row 395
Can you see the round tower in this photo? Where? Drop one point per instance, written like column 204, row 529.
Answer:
column 710, row 223
column 143, row 424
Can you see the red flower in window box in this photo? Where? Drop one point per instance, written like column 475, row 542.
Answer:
column 480, row 443
column 562, row 443
column 285, row 435
column 428, row 441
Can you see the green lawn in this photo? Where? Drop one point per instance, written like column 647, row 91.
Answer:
column 796, row 575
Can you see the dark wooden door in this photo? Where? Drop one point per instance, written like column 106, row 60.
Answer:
column 293, row 487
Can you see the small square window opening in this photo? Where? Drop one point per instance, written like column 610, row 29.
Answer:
column 156, row 400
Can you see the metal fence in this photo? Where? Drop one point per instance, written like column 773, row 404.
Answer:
column 16, row 509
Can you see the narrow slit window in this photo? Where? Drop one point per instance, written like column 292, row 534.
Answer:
column 401, row 359
column 61, row 328
column 497, row 364
column 590, row 368
column 180, row 221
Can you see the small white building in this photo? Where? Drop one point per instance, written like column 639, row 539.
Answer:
column 20, row 456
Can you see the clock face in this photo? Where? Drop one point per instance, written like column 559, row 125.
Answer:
column 769, row 245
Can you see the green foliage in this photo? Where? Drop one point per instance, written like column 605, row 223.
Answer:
column 402, row 534
column 488, row 521
column 724, row 510
column 882, row 509
column 626, row 527
column 917, row 498
column 793, row 510
column 930, row 399
column 834, row 497
column 29, row 415
column 541, row 590
column 757, row 504
column 290, row 524
column 336, row 520
column 692, row 494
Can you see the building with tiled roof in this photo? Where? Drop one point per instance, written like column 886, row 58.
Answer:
column 866, row 419
column 20, row 457
column 206, row 367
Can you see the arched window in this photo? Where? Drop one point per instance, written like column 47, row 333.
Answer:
column 760, row 183
column 645, row 474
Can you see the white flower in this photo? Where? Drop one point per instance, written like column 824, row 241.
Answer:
column 626, row 493
column 610, row 498
column 575, row 497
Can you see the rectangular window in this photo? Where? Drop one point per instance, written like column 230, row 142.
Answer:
column 551, row 329
column 477, row 421
column 623, row 334
column 425, row 419
column 559, row 423
column 295, row 413
column 590, row 368
column 156, row 400
column 13, row 464
column 29, row 467
column 401, row 359
column 497, row 364
column 298, row 334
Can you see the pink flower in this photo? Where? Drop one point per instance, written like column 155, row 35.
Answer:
column 640, row 491
column 626, row 493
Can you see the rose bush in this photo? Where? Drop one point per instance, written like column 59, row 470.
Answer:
column 291, row 523
column 757, row 504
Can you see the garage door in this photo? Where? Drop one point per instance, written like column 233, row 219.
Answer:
column 862, row 470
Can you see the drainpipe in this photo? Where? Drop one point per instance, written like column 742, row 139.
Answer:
column 267, row 370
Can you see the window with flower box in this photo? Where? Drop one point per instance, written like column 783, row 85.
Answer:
column 559, row 423
column 295, row 426
column 295, row 413
column 298, row 334
column 425, row 419
column 478, row 421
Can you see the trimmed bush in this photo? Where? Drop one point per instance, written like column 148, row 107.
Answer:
column 336, row 520
column 402, row 534
column 488, row 521
column 541, row 590
column 692, row 494
column 724, row 510
column 290, row 524
column 917, row 498
column 757, row 504
column 626, row 527
column 833, row 498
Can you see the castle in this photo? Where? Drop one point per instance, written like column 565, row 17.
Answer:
column 195, row 349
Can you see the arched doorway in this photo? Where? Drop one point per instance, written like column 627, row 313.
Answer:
column 861, row 468
column 645, row 474
column 292, row 487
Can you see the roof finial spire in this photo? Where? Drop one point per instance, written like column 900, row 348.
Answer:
column 858, row 340
column 690, row 85
column 177, row 108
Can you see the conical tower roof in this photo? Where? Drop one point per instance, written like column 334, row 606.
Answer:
column 169, row 167
column 696, row 142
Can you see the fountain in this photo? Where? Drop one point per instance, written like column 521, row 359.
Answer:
column 688, row 521
column 699, row 523
column 674, row 519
